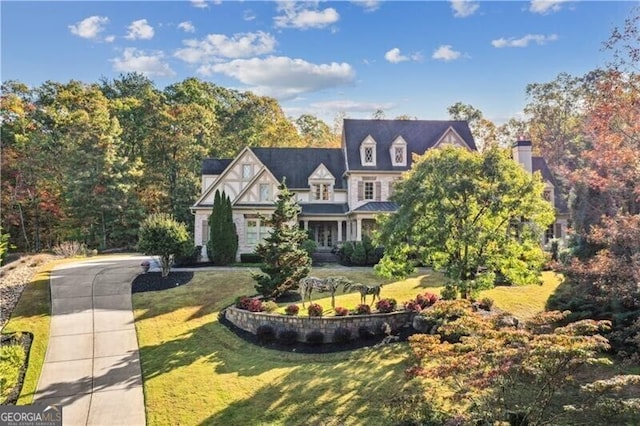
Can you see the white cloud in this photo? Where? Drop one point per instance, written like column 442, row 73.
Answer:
column 214, row 47
column 89, row 27
column 140, row 29
column 200, row 4
column 248, row 15
column 187, row 27
column 446, row 53
column 539, row 39
column 283, row 77
column 345, row 105
column 395, row 56
column 134, row 60
column 368, row 5
column 464, row 8
column 110, row 39
column 301, row 15
column 544, row 7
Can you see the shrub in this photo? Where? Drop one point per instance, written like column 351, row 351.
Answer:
column 288, row 337
column 292, row 310
column 250, row 258
column 449, row 292
column 315, row 337
column 242, row 302
column 342, row 335
column 189, row 258
column 269, row 306
column 315, row 310
column 161, row 235
column 386, row 305
column 341, row 312
column 362, row 309
column 431, row 298
column 359, row 253
column 486, row 303
column 412, row 306
column 255, row 305
column 310, row 246
column 70, row 249
column 365, row 333
column 265, row 334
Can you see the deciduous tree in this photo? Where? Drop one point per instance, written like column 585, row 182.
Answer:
column 161, row 235
column 470, row 214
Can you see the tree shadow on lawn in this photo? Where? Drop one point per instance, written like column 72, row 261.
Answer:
column 329, row 392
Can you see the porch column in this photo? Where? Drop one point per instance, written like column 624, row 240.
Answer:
column 306, row 225
column 340, row 222
column 358, row 229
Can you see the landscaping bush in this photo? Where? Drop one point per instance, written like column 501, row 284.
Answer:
column 265, row 334
column 315, row 337
column 341, row 312
column 288, row 337
column 269, row 306
column 70, row 249
column 315, row 310
column 449, row 292
column 223, row 239
column 362, row 309
column 161, row 235
column 189, row 258
column 250, row 258
column 359, row 253
column 255, row 305
column 365, row 333
column 486, row 303
column 342, row 335
column 242, row 302
column 292, row 310
column 310, row 246
column 386, row 305
column 412, row 306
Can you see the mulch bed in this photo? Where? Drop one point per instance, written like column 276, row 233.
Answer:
column 153, row 281
column 25, row 340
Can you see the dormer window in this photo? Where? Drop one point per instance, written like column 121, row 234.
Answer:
column 321, row 192
column 368, row 152
column 398, row 152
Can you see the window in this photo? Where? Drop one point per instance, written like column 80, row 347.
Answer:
column 368, row 154
column 399, row 155
column 265, row 192
column 321, row 191
column 368, row 190
column 252, row 232
column 546, row 195
column 548, row 235
column 246, row 171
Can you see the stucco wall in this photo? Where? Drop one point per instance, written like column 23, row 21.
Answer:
column 250, row 321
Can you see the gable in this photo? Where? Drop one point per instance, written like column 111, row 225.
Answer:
column 321, row 173
column 451, row 138
column 253, row 191
column 232, row 181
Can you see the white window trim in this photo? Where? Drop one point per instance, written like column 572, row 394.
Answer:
column 244, row 165
column 368, row 142
column 329, row 187
column 261, row 231
column 398, row 143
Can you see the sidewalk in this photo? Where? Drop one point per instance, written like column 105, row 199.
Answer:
column 92, row 365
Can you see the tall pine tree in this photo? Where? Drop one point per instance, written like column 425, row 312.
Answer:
column 223, row 239
column 285, row 262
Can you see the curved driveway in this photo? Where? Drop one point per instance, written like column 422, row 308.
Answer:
column 92, row 366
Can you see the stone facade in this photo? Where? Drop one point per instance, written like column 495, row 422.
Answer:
column 250, row 321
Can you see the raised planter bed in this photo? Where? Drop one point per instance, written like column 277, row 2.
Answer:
column 376, row 324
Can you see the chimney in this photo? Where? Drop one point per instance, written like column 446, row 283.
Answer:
column 521, row 152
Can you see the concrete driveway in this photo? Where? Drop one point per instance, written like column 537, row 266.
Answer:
column 92, row 365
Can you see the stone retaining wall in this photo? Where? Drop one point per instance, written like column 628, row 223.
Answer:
column 250, row 321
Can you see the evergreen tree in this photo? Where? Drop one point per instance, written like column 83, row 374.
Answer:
column 223, row 239
column 285, row 262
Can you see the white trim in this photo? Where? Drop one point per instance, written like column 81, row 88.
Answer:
column 399, row 142
column 252, row 182
column 460, row 141
column 367, row 143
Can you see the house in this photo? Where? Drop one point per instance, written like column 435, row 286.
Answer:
column 340, row 190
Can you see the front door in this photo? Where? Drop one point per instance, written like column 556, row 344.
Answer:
column 323, row 234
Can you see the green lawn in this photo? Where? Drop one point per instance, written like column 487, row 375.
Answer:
column 32, row 315
column 197, row 371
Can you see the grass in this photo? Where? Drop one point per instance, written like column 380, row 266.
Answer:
column 12, row 358
column 196, row 370
column 32, row 315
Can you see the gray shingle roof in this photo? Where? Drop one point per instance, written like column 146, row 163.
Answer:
column 378, row 206
column 312, row 209
column 420, row 135
column 296, row 164
column 214, row 166
column 539, row 164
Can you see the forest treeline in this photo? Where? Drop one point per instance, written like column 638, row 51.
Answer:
column 88, row 162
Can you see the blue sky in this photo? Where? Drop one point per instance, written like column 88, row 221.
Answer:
column 414, row 58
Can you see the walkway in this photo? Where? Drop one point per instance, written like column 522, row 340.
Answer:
column 92, row 366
